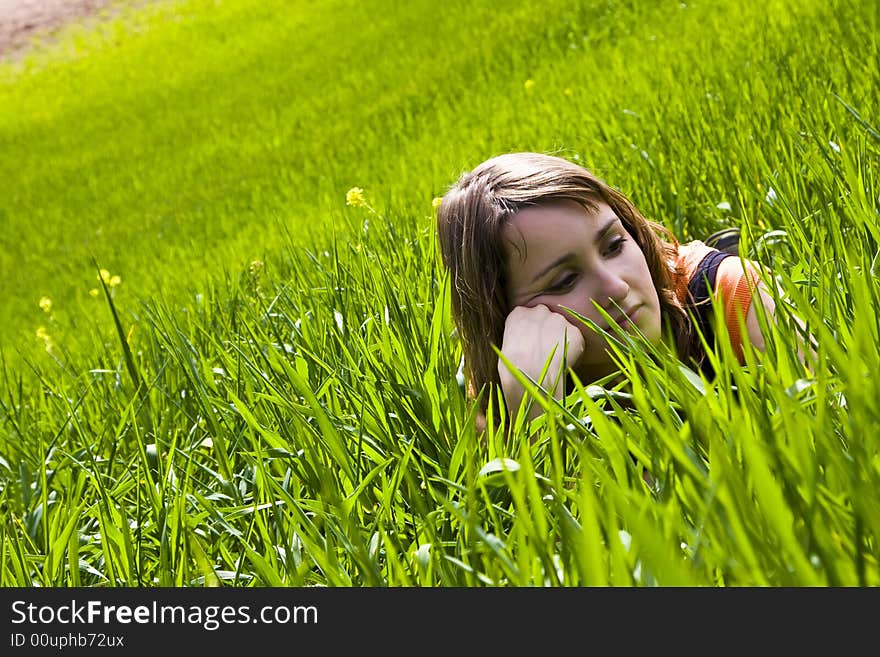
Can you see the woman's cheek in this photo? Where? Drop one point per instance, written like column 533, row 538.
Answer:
column 576, row 303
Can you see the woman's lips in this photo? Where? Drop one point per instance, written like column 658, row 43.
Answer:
column 629, row 318
column 633, row 314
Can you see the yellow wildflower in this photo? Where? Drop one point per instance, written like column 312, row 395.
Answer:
column 46, row 304
column 529, row 85
column 355, row 197
column 437, row 201
column 43, row 335
column 94, row 291
column 567, row 91
column 105, row 276
column 115, row 280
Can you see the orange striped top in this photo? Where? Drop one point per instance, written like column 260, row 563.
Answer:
column 732, row 286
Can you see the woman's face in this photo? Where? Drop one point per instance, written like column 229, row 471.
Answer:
column 565, row 255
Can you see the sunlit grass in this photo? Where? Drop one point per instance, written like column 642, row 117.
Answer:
column 268, row 394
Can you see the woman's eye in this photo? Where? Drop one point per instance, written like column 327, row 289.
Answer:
column 564, row 284
column 616, row 246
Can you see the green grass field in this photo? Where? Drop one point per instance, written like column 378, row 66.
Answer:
column 267, row 395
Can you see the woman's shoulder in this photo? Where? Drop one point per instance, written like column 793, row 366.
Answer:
column 733, row 279
column 733, row 271
column 688, row 258
column 691, row 254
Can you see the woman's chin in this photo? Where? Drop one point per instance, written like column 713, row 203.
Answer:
column 590, row 372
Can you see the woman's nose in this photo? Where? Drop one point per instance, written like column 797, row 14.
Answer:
column 611, row 289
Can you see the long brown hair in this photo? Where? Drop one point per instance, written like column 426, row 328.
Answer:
column 470, row 221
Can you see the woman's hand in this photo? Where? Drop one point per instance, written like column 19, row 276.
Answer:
column 530, row 334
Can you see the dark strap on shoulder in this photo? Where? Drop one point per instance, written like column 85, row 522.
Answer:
column 703, row 280
column 699, row 289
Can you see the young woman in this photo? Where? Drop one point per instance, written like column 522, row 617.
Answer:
column 528, row 238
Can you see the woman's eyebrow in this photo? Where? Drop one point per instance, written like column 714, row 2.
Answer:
column 600, row 235
column 551, row 267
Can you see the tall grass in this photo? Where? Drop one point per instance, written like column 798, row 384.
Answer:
column 281, row 405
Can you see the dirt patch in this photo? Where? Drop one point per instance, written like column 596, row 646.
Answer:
column 21, row 21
